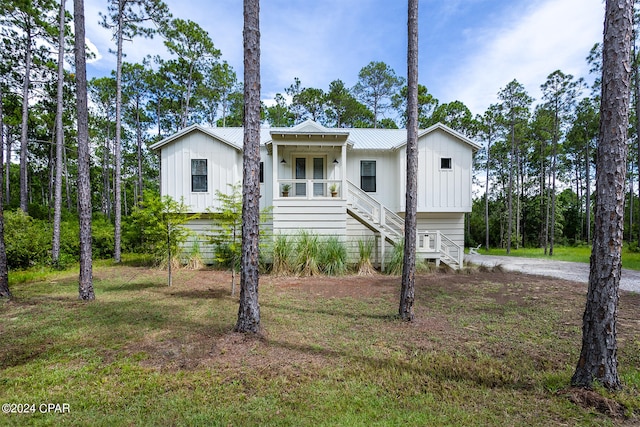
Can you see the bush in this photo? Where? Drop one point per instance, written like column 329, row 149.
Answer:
column 394, row 267
column 282, row 255
column 365, row 250
column 27, row 241
column 333, row 257
column 102, row 232
column 307, row 254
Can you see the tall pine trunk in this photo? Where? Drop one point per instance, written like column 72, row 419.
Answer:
column 118, row 144
column 57, row 199
column 486, row 198
column 598, row 356
column 85, row 285
column 407, row 292
column 7, row 187
column 4, row 270
column 510, row 195
column 24, row 203
column 636, row 87
column 554, row 173
column 249, row 309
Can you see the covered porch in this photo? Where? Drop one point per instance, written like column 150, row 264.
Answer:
column 309, row 183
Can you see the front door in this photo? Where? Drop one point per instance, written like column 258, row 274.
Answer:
column 310, row 167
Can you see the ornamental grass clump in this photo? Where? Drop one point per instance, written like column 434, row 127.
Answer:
column 333, row 257
column 365, row 250
column 307, row 254
column 283, row 248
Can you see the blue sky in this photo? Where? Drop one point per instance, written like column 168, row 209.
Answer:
column 469, row 49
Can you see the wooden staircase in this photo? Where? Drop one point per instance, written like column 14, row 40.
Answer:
column 380, row 219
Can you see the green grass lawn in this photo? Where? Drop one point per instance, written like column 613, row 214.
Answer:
column 630, row 259
column 486, row 349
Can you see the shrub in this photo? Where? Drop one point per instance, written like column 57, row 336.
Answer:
column 156, row 225
column 365, row 250
column 282, row 255
column 102, row 233
column 27, row 241
column 394, row 266
column 307, row 254
column 333, row 257
column 194, row 256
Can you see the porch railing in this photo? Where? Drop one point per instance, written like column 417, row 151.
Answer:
column 376, row 211
column 310, row 188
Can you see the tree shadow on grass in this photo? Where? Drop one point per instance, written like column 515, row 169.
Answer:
column 436, row 366
column 203, row 294
column 131, row 287
column 331, row 312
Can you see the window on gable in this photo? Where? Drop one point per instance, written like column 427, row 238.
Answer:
column 445, row 163
column 199, row 182
column 261, row 172
column 368, row 175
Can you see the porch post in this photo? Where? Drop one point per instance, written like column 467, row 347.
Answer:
column 382, row 248
column 343, row 171
column 274, row 179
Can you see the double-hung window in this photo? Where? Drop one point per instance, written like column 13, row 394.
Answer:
column 199, row 182
column 368, row 175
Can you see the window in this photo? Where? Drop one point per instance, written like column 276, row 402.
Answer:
column 199, row 176
column 445, row 163
column 368, row 175
column 261, row 172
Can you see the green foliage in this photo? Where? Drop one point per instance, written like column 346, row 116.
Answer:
column 227, row 231
column 394, row 266
column 333, row 257
column 27, row 240
column 307, row 254
column 282, row 255
column 157, row 226
column 365, row 250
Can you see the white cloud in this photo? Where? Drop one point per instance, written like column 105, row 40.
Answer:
column 555, row 34
column 93, row 49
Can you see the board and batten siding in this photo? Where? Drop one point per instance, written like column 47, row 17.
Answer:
column 441, row 190
column 224, row 167
column 387, row 175
column 451, row 224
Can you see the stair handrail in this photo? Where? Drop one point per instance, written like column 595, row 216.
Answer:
column 386, row 217
column 446, row 248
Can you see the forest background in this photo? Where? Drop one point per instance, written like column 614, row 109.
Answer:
column 533, row 177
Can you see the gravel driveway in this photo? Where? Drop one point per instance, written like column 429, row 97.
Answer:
column 575, row 271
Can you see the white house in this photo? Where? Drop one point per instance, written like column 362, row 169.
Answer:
column 365, row 167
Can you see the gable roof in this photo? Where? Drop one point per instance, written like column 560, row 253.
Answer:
column 357, row 138
column 229, row 136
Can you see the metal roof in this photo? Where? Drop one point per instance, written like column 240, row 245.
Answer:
column 358, row 138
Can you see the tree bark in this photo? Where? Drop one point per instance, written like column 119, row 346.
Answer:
column 407, row 292
column 7, row 170
column 249, row 310
column 554, row 173
column 510, row 195
column 486, row 196
column 588, row 195
column 598, row 356
column 85, row 285
column 139, row 153
column 118, row 144
column 4, row 270
column 636, row 76
column 24, row 203
column 57, row 199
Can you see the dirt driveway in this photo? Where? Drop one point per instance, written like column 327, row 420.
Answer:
column 575, row 271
